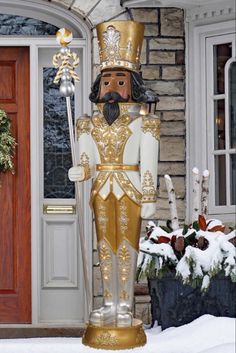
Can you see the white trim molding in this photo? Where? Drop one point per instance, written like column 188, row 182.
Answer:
column 196, row 8
column 217, row 11
column 201, row 24
column 48, row 12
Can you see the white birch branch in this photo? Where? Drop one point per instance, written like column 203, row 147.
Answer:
column 196, row 194
column 172, row 202
column 205, row 193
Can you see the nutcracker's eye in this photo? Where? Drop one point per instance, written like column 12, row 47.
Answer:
column 121, row 83
column 106, row 83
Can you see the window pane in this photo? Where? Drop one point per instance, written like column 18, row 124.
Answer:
column 233, row 179
column 222, row 52
column 232, row 104
column 220, row 180
column 57, row 152
column 19, row 25
column 219, row 121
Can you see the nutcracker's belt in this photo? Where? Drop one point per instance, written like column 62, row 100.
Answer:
column 108, row 167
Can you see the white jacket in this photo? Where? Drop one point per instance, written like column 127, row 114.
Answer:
column 132, row 140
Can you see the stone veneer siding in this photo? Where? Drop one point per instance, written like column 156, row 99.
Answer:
column 163, row 70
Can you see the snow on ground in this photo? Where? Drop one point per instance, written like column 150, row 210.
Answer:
column 207, row 334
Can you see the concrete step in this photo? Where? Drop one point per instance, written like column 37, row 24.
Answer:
column 34, row 331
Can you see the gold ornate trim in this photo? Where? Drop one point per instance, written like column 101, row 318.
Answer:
column 119, row 63
column 148, row 189
column 83, row 126
column 109, row 167
column 84, row 162
column 98, row 184
column 152, row 125
column 127, row 186
column 111, row 139
column 124, row 220
column 105, row 263
column 114, row 338
column 124, row 263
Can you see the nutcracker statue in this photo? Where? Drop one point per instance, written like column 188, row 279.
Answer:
column 118, row 148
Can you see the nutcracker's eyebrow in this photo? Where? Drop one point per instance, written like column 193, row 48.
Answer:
column 106, row 75
column 120, row 74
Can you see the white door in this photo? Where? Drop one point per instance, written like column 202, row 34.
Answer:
column 61, row 278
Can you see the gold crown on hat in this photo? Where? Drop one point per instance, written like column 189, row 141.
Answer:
column 120, row 44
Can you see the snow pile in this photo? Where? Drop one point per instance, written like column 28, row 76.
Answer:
column 207, row 334
column 195, row 253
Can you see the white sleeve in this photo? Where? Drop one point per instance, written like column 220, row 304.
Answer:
column 85, row 155
column 149, row 149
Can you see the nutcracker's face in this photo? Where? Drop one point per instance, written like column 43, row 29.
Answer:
column 115, row 88
column 115, row 83
column 112, row 87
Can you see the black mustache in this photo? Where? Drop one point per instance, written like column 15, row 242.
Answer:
column 115, row 96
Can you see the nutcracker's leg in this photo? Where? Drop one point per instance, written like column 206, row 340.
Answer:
column 127, row 260
column 104, row 212
column 129, row 224
column 107, row 313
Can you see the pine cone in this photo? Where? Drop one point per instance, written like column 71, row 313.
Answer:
column 202, row 243
column 179, row 244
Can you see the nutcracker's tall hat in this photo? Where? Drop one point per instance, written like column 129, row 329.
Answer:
column 120, row 44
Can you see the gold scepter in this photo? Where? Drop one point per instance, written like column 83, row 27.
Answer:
column 66, row 61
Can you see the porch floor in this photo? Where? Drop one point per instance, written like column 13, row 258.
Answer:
column 29, row 331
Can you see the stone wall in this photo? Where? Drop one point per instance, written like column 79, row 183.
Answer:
column 163, row 70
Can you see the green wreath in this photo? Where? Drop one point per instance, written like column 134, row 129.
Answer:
column 7, row 144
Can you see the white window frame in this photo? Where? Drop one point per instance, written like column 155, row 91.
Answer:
column 201, row 23
column 210, row 99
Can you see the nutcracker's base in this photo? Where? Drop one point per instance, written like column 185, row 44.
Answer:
column 112, row 337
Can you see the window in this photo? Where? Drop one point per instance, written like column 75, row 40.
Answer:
column 221, row 121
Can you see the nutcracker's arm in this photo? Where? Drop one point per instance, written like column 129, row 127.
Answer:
column 149, row 148
column 85, row 154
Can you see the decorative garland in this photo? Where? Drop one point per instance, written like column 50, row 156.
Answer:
column 7, row 144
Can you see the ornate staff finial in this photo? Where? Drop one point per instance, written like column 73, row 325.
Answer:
column 64, row 36
column 66, row 61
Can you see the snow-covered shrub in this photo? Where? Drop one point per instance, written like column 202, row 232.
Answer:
column 7, row 143
column 195, row 253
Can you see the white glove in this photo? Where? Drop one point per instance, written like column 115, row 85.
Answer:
column 148, row 210
column 76, row 173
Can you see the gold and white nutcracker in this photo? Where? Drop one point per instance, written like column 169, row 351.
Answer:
column 118, row 149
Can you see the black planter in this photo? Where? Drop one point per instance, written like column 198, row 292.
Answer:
column 176, row 304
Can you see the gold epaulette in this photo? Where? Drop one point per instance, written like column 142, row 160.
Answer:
column 151, row 124
column 83, row 126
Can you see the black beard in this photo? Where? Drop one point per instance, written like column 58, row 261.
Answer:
column 111, row 112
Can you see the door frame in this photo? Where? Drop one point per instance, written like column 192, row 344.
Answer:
column 34, row 44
